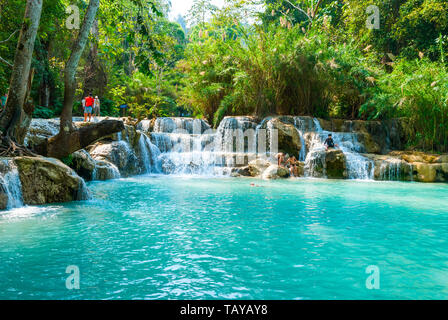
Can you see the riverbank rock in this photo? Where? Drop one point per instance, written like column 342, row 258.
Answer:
column 410, row 166
column 335, row 164
column 257, row 167
column 83, row 164
column 40, row 130
column 118, row 153
column 47, row 180
column 289, row 141
column 275, row 172
column 105, row 171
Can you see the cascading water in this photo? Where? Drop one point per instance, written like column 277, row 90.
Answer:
column 298, row 124
column 10, row 184
column 149, row 154
column 185, row 146
column 358, row 167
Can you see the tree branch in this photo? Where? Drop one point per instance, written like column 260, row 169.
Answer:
column 300, row 9
column 6, row 62
column 12, row 34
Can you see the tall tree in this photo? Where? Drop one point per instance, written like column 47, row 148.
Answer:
column 14, row 120
column 69, row 139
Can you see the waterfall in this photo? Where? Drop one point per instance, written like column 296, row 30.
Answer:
column 83, row 192
column 184, row 146
column 396, row 170
column 358, row 166
column 150, row 154
column 10, row 184
column 105, row 170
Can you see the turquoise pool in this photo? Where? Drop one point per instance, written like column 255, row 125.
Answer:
column 196, row 238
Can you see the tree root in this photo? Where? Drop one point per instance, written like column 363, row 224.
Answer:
column 9, row 148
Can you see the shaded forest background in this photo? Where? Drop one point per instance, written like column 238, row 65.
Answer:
column 298, row 57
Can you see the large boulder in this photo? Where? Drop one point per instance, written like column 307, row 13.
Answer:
column 275, row 172
column 258, row 166
column 425, row 172
column 83, row 164
column 40, row 130
column 47, row 180
column 289, row 141
column 105, row 171
column 119, row 153
column 335, row 164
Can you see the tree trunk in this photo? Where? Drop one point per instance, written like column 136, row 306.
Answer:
column 78, row 139
column 67, row 138
column 14, row 121
column 72, row 64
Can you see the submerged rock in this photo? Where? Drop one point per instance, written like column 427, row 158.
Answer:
column 47, row 180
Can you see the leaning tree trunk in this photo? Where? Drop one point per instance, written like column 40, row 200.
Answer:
column 14, row 120
column 69, row 140
column 72, row 65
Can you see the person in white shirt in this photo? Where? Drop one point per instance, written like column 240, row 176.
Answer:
column 97, row 107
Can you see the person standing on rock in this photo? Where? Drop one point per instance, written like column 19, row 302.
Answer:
column 89, row 108
column 329, row 143
column 97, row 107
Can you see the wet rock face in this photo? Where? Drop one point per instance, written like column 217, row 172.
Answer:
column 288, row 138
column 335, row 164
column 3, row 192
column 83, row 164
column 257, row 167
column 46, row 180
column 40, row 130
column 120, row 154
column 105, row 171
column 410, row 166
column 275, row 172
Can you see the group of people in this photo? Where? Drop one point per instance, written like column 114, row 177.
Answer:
column 293, row 164
column 91, row 106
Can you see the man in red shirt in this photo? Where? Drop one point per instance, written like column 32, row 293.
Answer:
column 89, row 108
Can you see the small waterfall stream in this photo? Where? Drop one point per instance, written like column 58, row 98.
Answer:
column 358, row 166
column 150, row 154
column 10, row 184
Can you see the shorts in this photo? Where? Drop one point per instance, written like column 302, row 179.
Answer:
column 88, row 110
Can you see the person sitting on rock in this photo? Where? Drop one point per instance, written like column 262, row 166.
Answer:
column 292, row 164
column 329, row 143
column 280, row 158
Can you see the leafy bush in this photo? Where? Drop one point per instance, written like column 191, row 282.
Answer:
column 275, row 70
column 417, row 90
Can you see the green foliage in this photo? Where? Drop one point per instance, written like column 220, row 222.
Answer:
column 417, row 90
column 279, row 70
column 43, row 113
